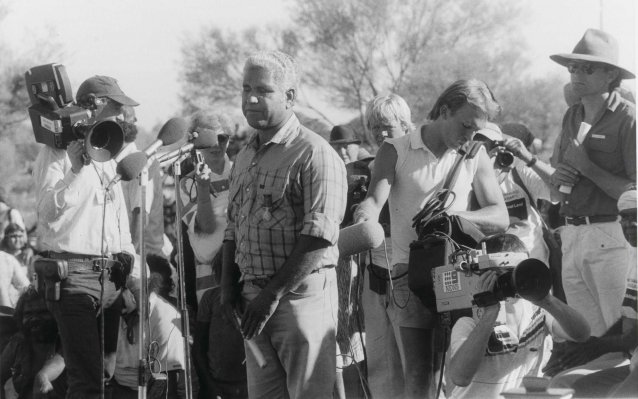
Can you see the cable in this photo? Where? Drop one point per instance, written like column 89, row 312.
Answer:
column 101, row 279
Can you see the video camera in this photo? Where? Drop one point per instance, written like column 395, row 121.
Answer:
column 57, row 121
column 449, row 282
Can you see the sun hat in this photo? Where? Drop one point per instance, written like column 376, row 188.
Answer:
column 342, row 134
column 491, row 131
column 519, row 131
column 595, row 46
column 627, row 200
column 104, row 86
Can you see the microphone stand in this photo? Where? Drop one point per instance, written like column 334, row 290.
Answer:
column 143, row 305
column 177, row 171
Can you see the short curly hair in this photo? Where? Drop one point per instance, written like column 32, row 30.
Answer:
column 282, row 66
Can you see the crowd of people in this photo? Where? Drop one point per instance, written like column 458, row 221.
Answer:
column 267, row 307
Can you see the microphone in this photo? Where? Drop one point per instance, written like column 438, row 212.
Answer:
column 360, row 237
column 172, row 131
column 128, row 168
column 170, row 157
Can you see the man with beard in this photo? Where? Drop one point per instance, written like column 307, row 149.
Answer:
column 71, row 197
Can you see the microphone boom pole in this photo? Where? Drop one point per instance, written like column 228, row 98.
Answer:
column 144, row 303
column 182, row 282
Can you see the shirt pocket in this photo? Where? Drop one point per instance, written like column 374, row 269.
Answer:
column 604, row 143
column 270, row 206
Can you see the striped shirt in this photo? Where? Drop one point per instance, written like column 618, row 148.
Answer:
column 295, row 184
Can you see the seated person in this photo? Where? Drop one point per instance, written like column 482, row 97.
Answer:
column 165, row 352
column 603, row 360
column 218, row 350
column 503, row 342
column 33, row 357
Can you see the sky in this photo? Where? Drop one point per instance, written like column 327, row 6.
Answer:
column 139, row 41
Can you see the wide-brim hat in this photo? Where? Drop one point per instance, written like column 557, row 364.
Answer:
column 104, row 86
column 595, row 46
column 341, row 134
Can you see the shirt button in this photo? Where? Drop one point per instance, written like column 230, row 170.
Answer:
column 247, row 189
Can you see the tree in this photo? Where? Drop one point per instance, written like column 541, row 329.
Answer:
column 415, row 48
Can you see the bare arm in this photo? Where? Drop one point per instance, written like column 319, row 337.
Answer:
column 204, row 217
column 492, row 217
column 380, row 184
column 569, row 322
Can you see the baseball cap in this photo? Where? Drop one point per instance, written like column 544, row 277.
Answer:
column 104, row 86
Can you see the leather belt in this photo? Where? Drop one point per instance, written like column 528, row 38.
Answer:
column 81, row 261
column 262, row 281
column 580, row 220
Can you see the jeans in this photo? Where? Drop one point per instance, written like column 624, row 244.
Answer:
column 78, row 326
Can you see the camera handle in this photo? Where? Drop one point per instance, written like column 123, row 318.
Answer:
column 445, row 321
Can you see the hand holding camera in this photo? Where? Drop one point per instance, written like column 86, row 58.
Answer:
column 76, row 153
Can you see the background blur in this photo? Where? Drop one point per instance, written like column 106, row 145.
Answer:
column 176, row 57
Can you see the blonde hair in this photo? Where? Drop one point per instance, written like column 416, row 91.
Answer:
column 388, row 110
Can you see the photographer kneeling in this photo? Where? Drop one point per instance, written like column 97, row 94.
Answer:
column 503, row 341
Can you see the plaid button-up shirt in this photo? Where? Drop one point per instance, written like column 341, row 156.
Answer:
column 295, row 184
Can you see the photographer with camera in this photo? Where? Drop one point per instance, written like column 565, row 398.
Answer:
column 71, row 198
column 503, row 341
column 408, row 171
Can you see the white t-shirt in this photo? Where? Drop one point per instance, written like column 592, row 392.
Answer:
column 419, row 174
column 13, row 279
column 165, row 330
column 514, row 350
column 525, row 221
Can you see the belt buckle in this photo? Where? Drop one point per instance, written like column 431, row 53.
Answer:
column 97, row 264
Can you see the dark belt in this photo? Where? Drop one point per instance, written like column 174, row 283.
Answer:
column 80, row 261
column 262, row 281
column 579, row 220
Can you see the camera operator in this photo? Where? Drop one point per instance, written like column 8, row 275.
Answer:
column 70, row 196
column 408, row 171
column 503, row 341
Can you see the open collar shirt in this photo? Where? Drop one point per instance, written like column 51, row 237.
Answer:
column 294, row 184
column 610, row 144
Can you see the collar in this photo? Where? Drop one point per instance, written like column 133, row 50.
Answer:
column 286, row 133
column 613, row 100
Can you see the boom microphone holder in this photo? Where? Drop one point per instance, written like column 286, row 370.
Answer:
column 144, row 303
column 177, row 171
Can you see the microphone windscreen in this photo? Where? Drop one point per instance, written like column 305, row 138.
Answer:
column 205, row 138
column 131, row 165
column 172, row 131
column 360, row 237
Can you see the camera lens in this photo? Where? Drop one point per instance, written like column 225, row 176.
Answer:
column 504, row 159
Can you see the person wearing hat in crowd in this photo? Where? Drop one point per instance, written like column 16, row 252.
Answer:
column 71, row 197
column 594, row 159
column 344, row 140
column 599, row 365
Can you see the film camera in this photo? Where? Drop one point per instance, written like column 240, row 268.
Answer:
column 504, row 157
column 450, row 274
column 57, row 121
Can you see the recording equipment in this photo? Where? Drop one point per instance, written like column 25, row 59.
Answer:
column 172, row 131
column 451, row 279
column 360, row 237
column 504, row 158
column 57, row 122
column 171, row 157
column 129, row 168
column 50, row 272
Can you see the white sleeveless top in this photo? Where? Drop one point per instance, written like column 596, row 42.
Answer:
column 418, row 174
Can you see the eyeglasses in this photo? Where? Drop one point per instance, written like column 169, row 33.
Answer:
column 582, row 67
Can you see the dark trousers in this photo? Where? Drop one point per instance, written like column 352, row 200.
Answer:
column 79, row 329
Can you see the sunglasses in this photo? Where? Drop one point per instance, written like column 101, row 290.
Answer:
column 583, row 67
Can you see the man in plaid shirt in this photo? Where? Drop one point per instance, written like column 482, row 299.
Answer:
column 287, row 198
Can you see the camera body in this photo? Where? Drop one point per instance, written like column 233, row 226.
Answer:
column 57, row 121
column 448, row 276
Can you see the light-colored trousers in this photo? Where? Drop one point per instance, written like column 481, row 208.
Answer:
column 595, row 262
column 298, row 342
